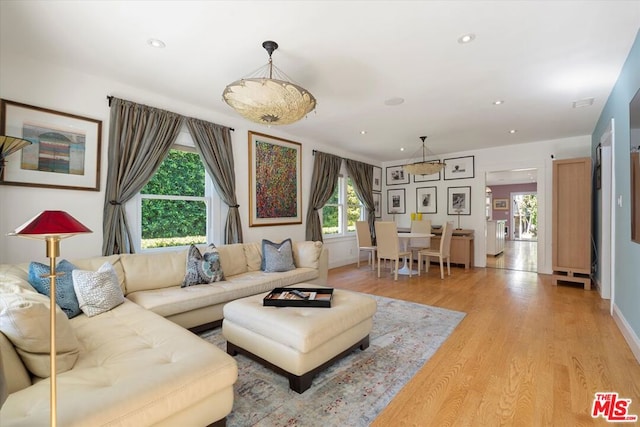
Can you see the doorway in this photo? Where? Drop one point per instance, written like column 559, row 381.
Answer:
column 524, row 216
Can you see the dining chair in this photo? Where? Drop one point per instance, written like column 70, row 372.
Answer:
column 443, row 252
column 388, row 245
column 418, row 243
column 363, row 235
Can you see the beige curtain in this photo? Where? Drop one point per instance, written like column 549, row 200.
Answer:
column 139, row 139
column 362, row 176
column 323, row 181
column 213, row 143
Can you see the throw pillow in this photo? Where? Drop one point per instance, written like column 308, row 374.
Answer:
column 204, row 267
column 65, row 295
column 277, row 257
column 24, row 319
column 97, row 291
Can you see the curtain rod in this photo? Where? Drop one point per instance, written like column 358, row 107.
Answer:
column 109, row 98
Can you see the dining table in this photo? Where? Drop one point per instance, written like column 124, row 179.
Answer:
column 404, row 243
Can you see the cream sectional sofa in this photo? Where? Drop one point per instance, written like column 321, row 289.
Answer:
column 137, row 364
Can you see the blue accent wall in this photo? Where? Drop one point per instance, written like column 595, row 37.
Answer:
column 627, row 253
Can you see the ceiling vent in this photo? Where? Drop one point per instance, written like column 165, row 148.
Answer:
column 587, row 102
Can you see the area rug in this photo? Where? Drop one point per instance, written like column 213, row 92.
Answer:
column 354, row 390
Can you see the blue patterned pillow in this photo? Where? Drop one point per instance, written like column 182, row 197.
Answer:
column 277, row 256
column 65, row 294
column 204, row 267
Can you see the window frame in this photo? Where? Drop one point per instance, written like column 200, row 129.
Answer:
column 342, row 205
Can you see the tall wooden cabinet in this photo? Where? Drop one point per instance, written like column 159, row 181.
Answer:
column 571, row 221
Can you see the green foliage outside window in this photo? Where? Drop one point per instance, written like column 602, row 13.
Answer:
column 331, row 210
column 175, row 222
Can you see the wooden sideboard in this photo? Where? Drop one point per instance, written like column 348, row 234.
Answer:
column 461, row 245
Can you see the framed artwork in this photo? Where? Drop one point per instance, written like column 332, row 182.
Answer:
column 377, row 202
column 501, row 204
column 64, row 151
column 459, row 168
column 396, row 201
column 425, row 178
column 459, row 201
column 275, row 181
column 377, row 178
column 396, row 175
column 427, row 200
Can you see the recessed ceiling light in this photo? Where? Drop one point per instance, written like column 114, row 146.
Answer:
column 498, row 102
column 157, row 43
column 362, row 132
column 466, row 38
column 587, row 102
column 513, row 131
column 401, row 148
column 394, row 101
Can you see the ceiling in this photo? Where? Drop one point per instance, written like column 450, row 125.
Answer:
column 536, row 56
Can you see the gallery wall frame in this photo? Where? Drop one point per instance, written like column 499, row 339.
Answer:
column 275, row 181
column 396, row 175
column 64, row 152
column 377, row 178
column 459, row 168
column 425, row 178
column 459, row 200
column 427, row 200
column 377, row 203
column 501, row 204
column 396, row 203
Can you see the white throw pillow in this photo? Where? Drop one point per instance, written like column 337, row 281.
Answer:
column 97, row 291
column 24, row 319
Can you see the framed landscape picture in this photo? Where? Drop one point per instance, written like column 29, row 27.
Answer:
column 275, row 176
column 459, row 201
column 427, row 200
column 396, row 175
column 459, row 168
column 64, row 151
column 377, row 203
column 377, row 178
column 396, row 201
column 501, row 204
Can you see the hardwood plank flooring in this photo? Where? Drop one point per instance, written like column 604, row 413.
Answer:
column 518, row 255
column 527, row 353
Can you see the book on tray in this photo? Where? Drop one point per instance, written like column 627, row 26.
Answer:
column 299, row 297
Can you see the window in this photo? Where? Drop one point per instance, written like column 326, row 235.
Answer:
column 173, row 206
column 335, row 222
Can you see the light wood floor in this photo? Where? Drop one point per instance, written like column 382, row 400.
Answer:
column 527, row 353
column 518, row 255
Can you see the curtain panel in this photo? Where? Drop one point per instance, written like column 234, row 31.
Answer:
column 139, row 139
column 362, row 176
column 213, row 143
column 326, row 168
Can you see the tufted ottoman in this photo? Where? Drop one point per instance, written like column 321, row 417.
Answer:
column 298, row 342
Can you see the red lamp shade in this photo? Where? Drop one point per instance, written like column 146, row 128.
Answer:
column 51, row 223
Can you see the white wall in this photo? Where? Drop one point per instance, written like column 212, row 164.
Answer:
column 23, row 80
column 533, row 155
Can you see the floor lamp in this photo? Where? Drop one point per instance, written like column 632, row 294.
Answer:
column 51, row 226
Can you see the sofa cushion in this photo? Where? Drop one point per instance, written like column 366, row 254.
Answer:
column 24, row 319
column 153, row 270
column 232, row 259
column 94, row 263
column 253, row 254
column 277, row 257
column 307, row 254
column 202, row 267
column 16, row 374
column 65, row 295
column 97, row 291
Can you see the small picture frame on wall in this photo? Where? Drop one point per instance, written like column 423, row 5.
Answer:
column 396, row 175
column 427, row 200
column 396, row 201
column 501, row 204
column 459, row 201
column 377, row 203
column 459, row 168
column 377, row 178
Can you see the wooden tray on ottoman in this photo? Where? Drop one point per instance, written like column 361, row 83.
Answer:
column 294, row 297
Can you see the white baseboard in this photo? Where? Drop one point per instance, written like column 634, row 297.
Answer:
column 628, row 333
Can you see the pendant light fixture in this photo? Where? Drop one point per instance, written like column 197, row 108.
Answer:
column 425, row 167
